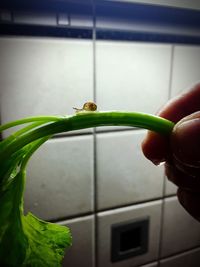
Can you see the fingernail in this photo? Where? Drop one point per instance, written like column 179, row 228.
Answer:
column 157, row 162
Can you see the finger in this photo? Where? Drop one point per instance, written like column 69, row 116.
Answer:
column 190, row 202
column 154, row 146
column 182, row 179
column 185, row 141
column 182, row 106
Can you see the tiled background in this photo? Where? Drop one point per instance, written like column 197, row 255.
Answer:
column 92, row 179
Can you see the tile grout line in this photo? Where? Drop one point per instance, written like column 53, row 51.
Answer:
column 95, row 244
column 179, row 253
column 133, row 204
column 171, row 72
column 109, row 209
column 164, row 182
column 161, row 222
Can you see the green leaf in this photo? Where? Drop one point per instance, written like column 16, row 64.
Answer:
column 26, row 240
column 46, row 242
column 13, row 241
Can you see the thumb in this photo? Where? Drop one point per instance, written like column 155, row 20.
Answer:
column 185, row 141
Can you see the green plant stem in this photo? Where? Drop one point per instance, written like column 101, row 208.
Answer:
column 35, row 145
column 29, row 119
column 84, row 120
column 15, row 135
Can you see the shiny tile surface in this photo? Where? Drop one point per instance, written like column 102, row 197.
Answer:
column 44, row 76
column 190, row 258
column 132, row 76
column 152, row 210
column 186, row 68
column 82, row 251
column 124, row 175
column 60, row 178
column 180, row 231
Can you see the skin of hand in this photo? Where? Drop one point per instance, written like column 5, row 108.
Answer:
column 181, row 151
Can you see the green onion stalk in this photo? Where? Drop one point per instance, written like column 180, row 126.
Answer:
column 26, row 240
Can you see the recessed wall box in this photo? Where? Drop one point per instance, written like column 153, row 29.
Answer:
column 129, row 239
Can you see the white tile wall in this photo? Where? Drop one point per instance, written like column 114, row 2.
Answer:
column 50, row 76
column 60, row 178
column 187, row 259
column 172, row 3
column 186, row 68
column 132, row 76
column 130, row 24
column 82, row 251
column 78, row 20
column 180, row 230
column 108, row 218
column 37, row 18
column 44, row 76
column 124, row 175
column 63, row 19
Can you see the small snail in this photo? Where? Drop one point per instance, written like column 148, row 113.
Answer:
column 88, row 106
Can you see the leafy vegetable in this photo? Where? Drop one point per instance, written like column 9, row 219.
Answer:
column 26, row 240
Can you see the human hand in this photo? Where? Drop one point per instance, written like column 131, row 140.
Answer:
column 181, row 151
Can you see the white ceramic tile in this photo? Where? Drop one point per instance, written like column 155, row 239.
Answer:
column 170, row 188
column 108, row 218
column 124, row 175
column 132, row 76
column 44, row 76
column 186, row 68
column 187, row 259
column 171, row 3
column 81, row 253
column 130, row 24
column 35, row 18
column 180, row 230
column 60, row 178
column 81, row 20
column 63, row 19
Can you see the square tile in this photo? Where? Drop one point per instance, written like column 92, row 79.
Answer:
column 35, row 18
column 60, row 178
column 179, row 4
column 180, row 231
column 186, row 68
column 63, row 19
column 124, row 175
column 81, row 20
column 132, row 76
column 81, row 253
column 44, row 76
column 170, row 188
column 106, row 219
column 188, row 259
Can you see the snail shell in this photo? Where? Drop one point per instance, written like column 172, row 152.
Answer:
column 88, row 106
